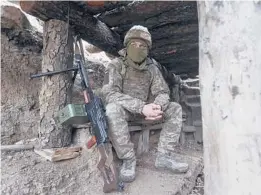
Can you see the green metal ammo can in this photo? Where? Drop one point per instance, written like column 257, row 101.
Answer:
column 72, row 114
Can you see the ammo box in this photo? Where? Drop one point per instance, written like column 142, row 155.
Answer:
column 72, row 114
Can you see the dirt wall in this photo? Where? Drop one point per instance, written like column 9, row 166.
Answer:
column 19, row 94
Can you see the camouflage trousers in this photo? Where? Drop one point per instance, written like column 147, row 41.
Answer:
column 118, row 118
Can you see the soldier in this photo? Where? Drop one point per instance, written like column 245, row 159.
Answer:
column 135, row 87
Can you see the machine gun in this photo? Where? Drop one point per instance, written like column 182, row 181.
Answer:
column 95, row 112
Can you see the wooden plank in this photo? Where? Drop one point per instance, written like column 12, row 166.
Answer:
column 139, row 127
column 145, row 122
column 187, row 128
column 81, row 126
column 197, row 123
column 66, row 150
column 140, row 146
column 156, row 127
column 145, row 127
column 182, row 138
column 65, row 156
column 54, row 155
column 146, row 140
column 199, row 135
column 135, row 128
column 44, row 153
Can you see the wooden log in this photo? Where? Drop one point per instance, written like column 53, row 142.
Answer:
column 16, row 147
column 229, row 72
column 93, row 9
column 56, row 91
column 143, row 11
column 89, row 28
column 158, row 15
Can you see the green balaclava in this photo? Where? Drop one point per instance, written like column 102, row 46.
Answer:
column 137, row 50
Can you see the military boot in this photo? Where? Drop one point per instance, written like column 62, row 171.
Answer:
column 169, row 162
column 127, row 171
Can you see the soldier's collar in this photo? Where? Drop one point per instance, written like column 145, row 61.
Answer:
column 129, row 62
column 123, row 52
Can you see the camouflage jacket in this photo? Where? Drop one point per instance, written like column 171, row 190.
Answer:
column 133, row 88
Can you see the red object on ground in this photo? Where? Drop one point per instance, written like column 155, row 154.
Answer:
column 91, row 142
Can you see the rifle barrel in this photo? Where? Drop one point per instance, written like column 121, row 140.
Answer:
column 52, row 72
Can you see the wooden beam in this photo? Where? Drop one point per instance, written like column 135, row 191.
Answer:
column 151, row 14
column 138, row 11
column 59, row 154
column 96, row 8
column 89, row 28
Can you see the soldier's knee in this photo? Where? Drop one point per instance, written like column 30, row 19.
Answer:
column 175, row 106
column 174, row 110
column 113, row 109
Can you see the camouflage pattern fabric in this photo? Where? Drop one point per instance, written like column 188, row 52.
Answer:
column 140, row 32
column 126, row 93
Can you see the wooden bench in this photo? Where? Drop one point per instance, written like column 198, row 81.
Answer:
column 195, row 129
column 145, row 127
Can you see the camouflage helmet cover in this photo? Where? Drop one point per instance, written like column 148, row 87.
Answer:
column 138, row 32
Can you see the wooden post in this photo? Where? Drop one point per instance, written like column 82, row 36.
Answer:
column 230, row 72
column 56, row 90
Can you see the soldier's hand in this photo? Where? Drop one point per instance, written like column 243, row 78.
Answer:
column 153, row 118
column 158, row 117
column 156, row 106
column 152, row 112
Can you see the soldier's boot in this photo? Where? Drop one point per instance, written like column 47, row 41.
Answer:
column 164, row 161
column 127, row 171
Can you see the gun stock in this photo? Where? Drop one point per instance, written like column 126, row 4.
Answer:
column 108, row 169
